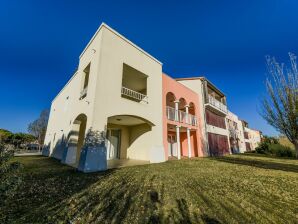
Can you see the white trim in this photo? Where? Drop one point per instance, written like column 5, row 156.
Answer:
column 122, row 37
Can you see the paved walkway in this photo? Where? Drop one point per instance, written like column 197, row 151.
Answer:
column 28, row 154
column 117, row 163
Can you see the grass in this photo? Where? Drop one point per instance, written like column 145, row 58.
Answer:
column 231, row 189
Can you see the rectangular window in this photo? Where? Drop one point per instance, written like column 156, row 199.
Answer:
column 246, row 135
column 215, row 120
column 85, row 83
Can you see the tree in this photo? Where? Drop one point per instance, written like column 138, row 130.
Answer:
column 18, row 139
column 280, row 107
column 5, row 135
column 38, row 127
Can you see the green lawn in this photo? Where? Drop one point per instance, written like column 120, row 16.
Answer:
column 232, row 189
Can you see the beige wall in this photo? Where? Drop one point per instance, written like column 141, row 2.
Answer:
column 197, row 86
column 240, row 134
column 107, row 52
column 254, row 138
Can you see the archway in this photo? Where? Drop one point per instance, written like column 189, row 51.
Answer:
column 170, row 99
column 124, row 134
column 191, row 109
column 76, row 139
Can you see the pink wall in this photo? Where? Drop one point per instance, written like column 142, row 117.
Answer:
column 181, row 91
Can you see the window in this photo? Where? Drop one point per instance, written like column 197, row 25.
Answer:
column 215, row 120
column 134, row 84
column 84, row 88
column 246, row 135
column 248, row 148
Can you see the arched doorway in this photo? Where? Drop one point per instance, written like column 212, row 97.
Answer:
column 124, row 134
column 76, row 139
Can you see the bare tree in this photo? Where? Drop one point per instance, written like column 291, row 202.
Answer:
column 38, row 127
column 280, row 107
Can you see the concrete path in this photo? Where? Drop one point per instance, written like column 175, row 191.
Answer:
column 28, row 154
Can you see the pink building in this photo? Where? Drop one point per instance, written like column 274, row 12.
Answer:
column 181, row 123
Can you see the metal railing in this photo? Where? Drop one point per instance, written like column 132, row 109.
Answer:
column 83, row 93
column 217, row 104
column 134, row 95
column 181, row 116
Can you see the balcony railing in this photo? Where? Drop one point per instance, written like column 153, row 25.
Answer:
column 171, row 114
column 217, row 104
column 129, row 93
column 181, row 116
column 192, row 119
column 233, row 133
column 83, row 93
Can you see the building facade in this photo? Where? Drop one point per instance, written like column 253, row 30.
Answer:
column 119, row 106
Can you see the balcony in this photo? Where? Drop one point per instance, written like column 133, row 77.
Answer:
column 133, row 95
column 181, row 116
column 217, row 104
column 233, row 133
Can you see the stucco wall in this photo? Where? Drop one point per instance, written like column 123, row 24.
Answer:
column 107, row 51
column 240, row 133
column 181, row 91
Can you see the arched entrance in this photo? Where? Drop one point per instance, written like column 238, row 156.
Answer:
column 76, row 139
column 125, row 137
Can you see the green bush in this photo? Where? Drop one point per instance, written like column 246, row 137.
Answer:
column 263, row 148
column 275, row 149
column 10, row 177
column 281, row 151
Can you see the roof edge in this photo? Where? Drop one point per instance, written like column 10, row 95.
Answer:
column 122, row 37
column 203, row 78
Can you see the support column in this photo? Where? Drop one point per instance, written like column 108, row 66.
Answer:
column 176, row 110
column 178, row 142
column 188, row 142
column 187, row 114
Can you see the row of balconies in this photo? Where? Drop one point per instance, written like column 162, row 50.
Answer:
column 181, row 116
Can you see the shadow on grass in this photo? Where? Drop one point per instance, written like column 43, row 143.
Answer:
column 46, row 184
column 259, row 163
column 56, row 193
column 251, row 154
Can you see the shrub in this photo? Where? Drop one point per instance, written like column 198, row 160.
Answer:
column 263, row 148
column 281, row 150
column 275, row 149
column 10, row 177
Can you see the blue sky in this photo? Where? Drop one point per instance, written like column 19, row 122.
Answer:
column 226, row 41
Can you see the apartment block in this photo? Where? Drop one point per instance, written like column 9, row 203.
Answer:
column 119, row 109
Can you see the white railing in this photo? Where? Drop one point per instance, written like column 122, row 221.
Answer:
column 134, row 94
column 83, row 93
column 192, row 119
column 233, row 133
column 181, row 116
column 171, row 115
column 217, row 104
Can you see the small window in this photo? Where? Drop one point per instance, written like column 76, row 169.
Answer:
column 86, row 73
